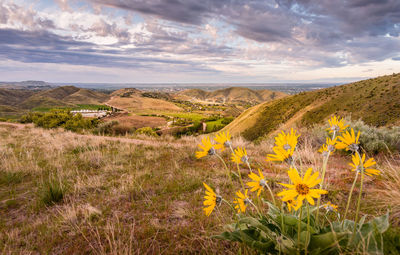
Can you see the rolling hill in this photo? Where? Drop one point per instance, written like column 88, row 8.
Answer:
column 131, row 99
column 66, row 96
column 376, row 101
column 231, row 95
column 12, row 97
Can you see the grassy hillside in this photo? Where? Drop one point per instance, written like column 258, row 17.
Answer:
column 232, row 95
column 13, row 97
column 38, row 101
column 142, row 105
column 61, row 192
column 375, row 101
column 66, row 96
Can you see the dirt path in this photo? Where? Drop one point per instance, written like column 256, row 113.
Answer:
column 154, row 143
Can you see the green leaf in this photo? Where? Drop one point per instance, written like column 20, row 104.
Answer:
column 326, row 240
column 305, row 238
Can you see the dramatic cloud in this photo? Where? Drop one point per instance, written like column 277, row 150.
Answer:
column 234, row 39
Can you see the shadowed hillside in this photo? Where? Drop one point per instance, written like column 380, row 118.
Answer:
column 66, row 96
column 12, row 97
column 375, row 101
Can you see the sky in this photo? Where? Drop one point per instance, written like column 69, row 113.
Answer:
column 192, row 41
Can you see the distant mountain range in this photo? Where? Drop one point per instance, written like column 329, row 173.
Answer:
column 375, row 101
column 31, row 85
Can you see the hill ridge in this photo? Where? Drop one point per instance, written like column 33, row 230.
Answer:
column 376, row 101
column 232, row 94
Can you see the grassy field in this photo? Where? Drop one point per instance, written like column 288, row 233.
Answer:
column 64, row 193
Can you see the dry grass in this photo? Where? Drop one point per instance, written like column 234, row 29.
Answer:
column 125, row 196
column 138, row 104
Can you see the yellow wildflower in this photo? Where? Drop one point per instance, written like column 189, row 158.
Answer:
column 258, row 182
column 328, row 147
column 241, row 201
column 287, row 141
column 336, row 124
column 211, row 200
column 223, row 141
column 330, row 207
column 357, row 164
column 280, row 155
column 348, row 141
column 240, row 156
column 302, row 188
column 291, row 204
column 207, row 148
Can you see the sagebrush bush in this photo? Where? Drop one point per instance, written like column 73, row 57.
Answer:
column 374, row 140
column 105, row 128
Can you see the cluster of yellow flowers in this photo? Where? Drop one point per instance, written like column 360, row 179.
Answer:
column 301, row 188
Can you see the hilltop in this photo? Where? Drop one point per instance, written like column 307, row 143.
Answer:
column 60, row 96
column 376, row 101
column 131, row 99
column 231, row 95
column 18, row 101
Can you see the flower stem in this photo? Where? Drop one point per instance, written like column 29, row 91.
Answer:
column 226, row 167
column 299, row 229
column 321, row 185
column 233, row 209
column 272, row 194
column 248, row 164
column 349, row 199
column 324, row 166
column 258, row 211
column 308, row 227
column 240, row 175
column 359, row 195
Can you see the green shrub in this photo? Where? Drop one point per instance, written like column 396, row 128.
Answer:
column 59, row 118
column 52, row 191
column 146, row 131
column 9, row 178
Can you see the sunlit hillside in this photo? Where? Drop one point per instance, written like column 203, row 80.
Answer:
column 238, row 95
column 375, row 101
column 62, row 192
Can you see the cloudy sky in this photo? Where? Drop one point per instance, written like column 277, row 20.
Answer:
column 198, row 40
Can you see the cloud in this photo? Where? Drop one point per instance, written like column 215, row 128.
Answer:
column 24, row 18
column 44, row 47
column 225, row 36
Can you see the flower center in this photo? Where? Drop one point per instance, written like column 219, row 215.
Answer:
column 227, row 144
column 331, row 147
column 244, row 159
column 289, row 160
column 358, row 169
column 302, row 189
column 287, row 147
column 353, row 147
column 218, row 200
column 211, row 151
column 335, row 128
column 263, row 183
column 246, row 201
